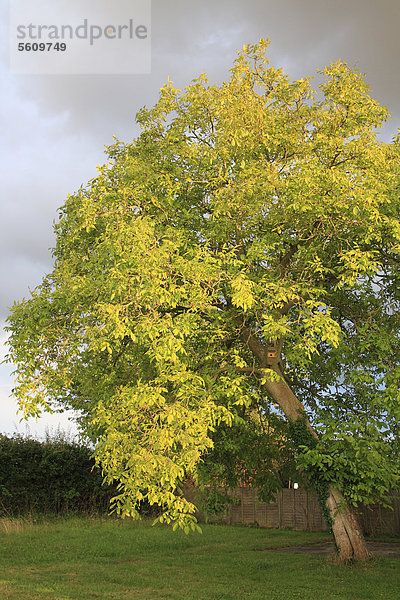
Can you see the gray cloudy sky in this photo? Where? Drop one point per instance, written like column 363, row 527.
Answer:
column 54, row 127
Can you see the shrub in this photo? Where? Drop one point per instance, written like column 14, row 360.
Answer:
column 53, row 476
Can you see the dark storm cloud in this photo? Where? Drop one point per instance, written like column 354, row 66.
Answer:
column 189, row 37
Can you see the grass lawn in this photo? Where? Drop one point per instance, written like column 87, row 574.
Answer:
column 77, row 559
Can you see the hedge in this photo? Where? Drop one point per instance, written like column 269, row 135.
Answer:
column 53, row 476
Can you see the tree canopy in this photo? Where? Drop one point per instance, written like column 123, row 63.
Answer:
column 241, row 254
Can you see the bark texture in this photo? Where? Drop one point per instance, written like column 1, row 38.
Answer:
column 347, row 532
column 349, row 538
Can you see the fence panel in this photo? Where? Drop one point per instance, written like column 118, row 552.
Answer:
column 300, row 510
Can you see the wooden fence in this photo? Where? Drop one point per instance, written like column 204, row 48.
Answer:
column 379, row 520
column 292, row 509
column 300, row 510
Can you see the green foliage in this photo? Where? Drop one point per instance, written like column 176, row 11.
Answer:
column 246, row 213
column 306, row 443
column 55, row 476
column 254, row 450
column 353, row 465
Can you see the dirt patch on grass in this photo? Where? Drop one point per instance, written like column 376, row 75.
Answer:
column 389, row 549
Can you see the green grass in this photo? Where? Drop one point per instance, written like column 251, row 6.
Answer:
column 76, row 559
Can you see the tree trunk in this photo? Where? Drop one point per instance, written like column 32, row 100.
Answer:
column 348, row 535
column 349, row 538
